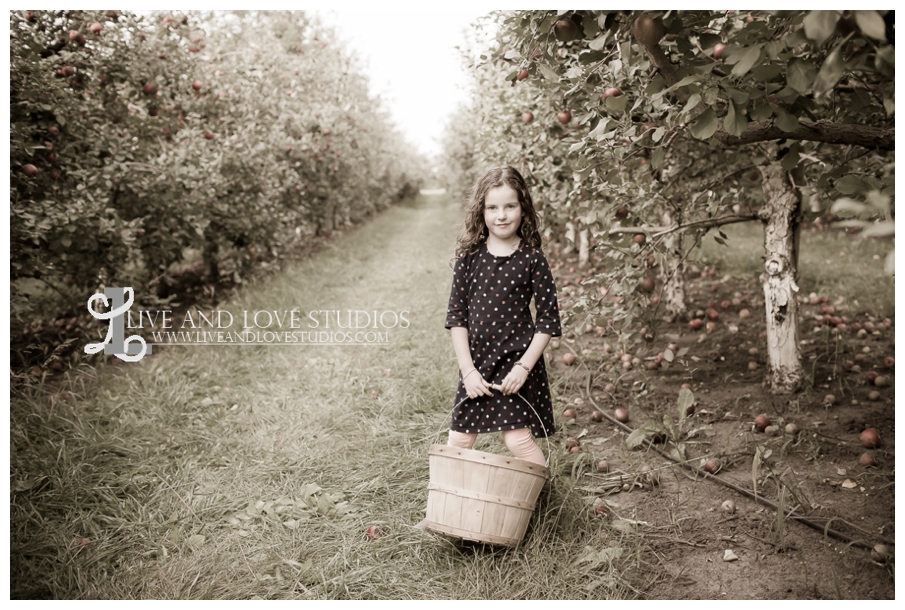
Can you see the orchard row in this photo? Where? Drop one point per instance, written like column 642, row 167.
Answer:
column 139, row 140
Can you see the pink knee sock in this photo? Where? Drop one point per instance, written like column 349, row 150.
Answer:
column 522, row 445
column 461, row 439
column 519, row 442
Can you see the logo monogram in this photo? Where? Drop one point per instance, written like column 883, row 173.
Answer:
column 113, row 343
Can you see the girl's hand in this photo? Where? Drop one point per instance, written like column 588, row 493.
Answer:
column 475, row 385
column 514, row 380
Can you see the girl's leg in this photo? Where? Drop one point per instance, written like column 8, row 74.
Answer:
column 522, row 445
column 461, row 439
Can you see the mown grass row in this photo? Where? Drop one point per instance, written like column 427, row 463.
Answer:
column 253, row 472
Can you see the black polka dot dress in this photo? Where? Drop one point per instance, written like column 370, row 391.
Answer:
column 490, row 297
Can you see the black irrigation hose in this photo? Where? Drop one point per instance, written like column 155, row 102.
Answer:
column 759, row 499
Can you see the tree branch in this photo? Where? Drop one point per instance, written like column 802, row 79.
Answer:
column 832, row 133
column 707, row 222
column 661, row 61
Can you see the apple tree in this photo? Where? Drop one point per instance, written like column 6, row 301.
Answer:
column 684, row 121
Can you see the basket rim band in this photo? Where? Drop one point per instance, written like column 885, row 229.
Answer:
column 493, row 459
column 483, row 497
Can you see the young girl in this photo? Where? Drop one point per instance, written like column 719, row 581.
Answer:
column 499, row 267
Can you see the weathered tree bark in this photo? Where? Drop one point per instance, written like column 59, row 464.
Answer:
column 824, row 131
column 570, row 239
column 780, row 214
column 583, row 247
column 673, row 275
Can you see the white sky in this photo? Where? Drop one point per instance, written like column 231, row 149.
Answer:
column 411, row 60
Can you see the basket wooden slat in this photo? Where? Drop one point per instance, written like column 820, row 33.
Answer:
column 481, row 496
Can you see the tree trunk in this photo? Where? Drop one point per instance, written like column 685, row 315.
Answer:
column 673, row 276
column 570, row 239
column 583, row 247
column 780, row 214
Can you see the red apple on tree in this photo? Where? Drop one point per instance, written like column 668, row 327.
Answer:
column 610, row 92
column 209, row 135
column 648, row 31
column 523, row 74
column 196, row 85
column 527, row 117
column 647, row 285
column 150, row 88
column 718, row 49
column 29, row 170
column 566, row 30
column 564, row 116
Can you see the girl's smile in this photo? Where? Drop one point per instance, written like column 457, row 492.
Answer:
column 502, row 215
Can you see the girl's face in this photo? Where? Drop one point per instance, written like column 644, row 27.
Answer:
column 502, row 212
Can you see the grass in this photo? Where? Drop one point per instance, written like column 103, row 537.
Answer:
column 253, row 472
column 823, row 269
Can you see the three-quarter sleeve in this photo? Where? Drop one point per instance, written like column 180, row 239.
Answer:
column 457, row 310
column 545, row 303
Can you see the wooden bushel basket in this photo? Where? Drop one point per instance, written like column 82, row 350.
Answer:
column 481, row 496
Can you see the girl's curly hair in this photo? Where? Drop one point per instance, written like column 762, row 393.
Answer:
column 475, row 230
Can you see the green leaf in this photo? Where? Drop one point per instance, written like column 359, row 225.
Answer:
column 831, row 71
column 735, row 122
column 760, row 112
column 850, row 185
column 871, row 24
column 737, row 95
column 820, row 25
column 790, row 160
column 878, row 201
column 847, row 206
column 693, row 100
column 598, row 43
column 784, row 120
column 656, row 159
column 656, row 85
column 601, row 129
column 686, row 399
column 548, row 73
column 766, row 72
column 880, row 229
column 617, row 104
column 705, row 126
column 745, row 59
column 635, row 439
column 801, row 74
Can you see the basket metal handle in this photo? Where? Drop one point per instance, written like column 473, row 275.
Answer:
column 498, row 388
